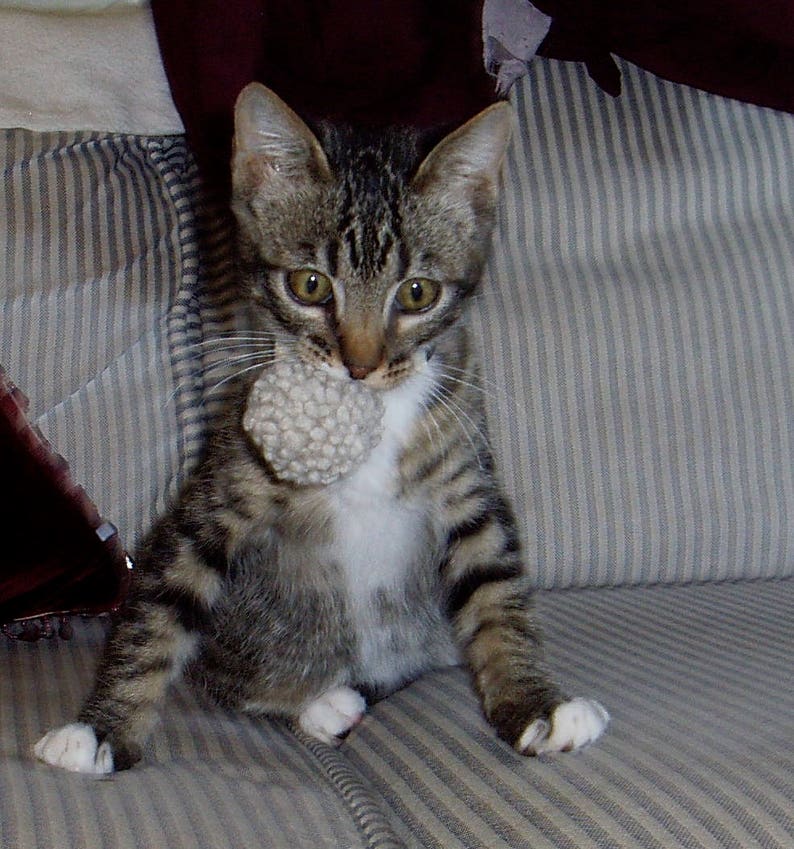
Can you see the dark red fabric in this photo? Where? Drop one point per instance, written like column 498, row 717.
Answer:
column 56, row 555
column 362, row 61
column 736, row 48
column 420, row 61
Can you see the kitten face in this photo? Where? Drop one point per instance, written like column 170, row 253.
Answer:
column 358, row 253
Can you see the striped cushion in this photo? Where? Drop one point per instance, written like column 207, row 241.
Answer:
column 648, row 358
column 700, row 752
column 209, row 780
column 637, row 324
column 98, row 302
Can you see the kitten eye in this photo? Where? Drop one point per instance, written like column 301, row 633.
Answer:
column 417, row 294
column 310, row 287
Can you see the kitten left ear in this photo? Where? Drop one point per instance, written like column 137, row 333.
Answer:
column 272, row 142
column 471, row 156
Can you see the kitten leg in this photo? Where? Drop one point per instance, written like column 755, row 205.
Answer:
column 489, row 604
column 117, row 717
column 518, row 694
column 146, row 650
column 333, row 714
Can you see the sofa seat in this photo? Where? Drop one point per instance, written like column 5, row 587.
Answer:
column 699, row 752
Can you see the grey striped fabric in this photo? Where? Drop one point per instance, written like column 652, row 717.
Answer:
column 97, row 300
column 637, row 326
column 699, row 753
column 636, row 329
column 209, row 780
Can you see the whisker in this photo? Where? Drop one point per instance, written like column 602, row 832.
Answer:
column 429, row 415
column 209, row 346
column 468, row 384
column 265, row 357
column 464, row 421
column 491, row 384
column 231, row 377
column 477, row 428
column 214, row 352
column 235, row 337
column 244, row 331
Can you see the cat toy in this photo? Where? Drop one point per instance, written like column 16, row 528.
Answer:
column 313, row 430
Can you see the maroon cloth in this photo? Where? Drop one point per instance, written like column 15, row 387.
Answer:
column 362, row 61
column 420, row 61
column 736, row 48
column 56, row 554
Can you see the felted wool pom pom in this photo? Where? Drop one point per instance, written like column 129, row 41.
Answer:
column 312, row 427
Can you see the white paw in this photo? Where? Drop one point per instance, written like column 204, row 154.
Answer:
column 572, row 725
column 74, row 747
column 333, row 714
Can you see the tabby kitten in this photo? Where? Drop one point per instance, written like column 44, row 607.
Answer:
column 306, row 602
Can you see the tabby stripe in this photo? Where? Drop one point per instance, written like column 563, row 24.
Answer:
column 465, row 467
column 429, row 469
column 385, row 249
column 192, row 614
column 472, row 526
column 208, row 541
column 464, row 587
column 212, row 554
column 332, row 257
column 350, row 238
column 404, row 256
column 150, row 667
column 518, row 625
column 495, row 512
column 510, row 719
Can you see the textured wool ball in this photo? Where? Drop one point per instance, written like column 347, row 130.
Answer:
column 311, row 426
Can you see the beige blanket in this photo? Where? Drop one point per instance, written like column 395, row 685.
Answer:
column 94, row 71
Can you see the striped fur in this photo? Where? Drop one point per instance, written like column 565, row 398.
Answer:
column 280, row 598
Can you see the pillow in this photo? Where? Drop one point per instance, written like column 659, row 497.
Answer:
column 58, row 555
column 635, row 319
column 99, row 325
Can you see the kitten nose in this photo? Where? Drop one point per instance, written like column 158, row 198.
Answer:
column 361, row 349
column 358, row 372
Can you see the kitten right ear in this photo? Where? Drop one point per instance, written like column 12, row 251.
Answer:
column 271, row 142
column 469, row 160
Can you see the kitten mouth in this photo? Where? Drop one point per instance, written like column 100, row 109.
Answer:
column 387, row 376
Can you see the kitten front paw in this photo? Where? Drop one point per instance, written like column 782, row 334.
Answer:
column 75, row 747
column 571, row 725
column 333, row 714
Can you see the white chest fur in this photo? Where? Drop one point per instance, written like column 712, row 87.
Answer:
column 379, row 536
column 376, row 531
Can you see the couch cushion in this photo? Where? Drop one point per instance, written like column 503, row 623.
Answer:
column 637, row 324
column 699, row 752
column 98, row 309
column 208, row 779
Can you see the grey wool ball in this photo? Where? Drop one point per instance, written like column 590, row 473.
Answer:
column 311, row 426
